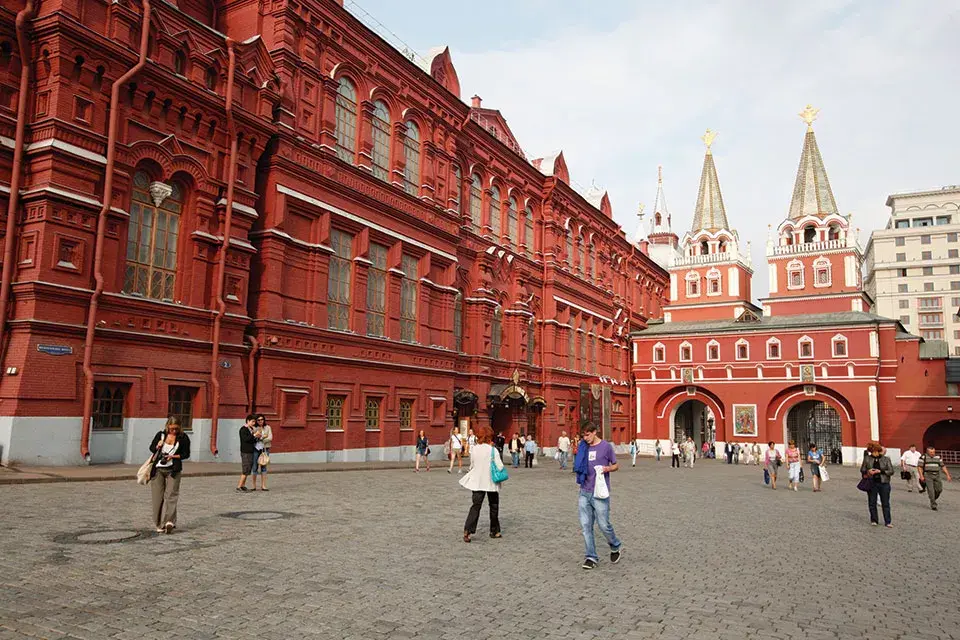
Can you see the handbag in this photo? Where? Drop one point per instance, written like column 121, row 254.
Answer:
column 497, row 474
column 263, row 459
column 600, row 488
column 143, row 473
column 766, row 477
column 865, row 484
column 801, row 474
column 824, row 476
column 905, row 475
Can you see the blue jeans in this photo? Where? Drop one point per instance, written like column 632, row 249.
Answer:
column 563, row 459
column 596, row 510
column 257, row 469
column 515, row 455
column 883, row 490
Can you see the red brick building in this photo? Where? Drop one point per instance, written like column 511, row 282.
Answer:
column 394, row 262
column 810, row 364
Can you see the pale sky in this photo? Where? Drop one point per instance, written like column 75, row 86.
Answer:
column 623, row 86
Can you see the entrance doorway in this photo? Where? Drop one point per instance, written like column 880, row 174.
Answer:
column 814, row 421
column 696, row 420
column 945, row 436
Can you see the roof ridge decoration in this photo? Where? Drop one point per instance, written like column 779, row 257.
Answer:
column 660, row 203
column 812, row 194
column 709, row 214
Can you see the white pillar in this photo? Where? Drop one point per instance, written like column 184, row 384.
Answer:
column 638, row 409
column 874, row 414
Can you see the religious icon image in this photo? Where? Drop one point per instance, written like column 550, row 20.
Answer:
column 745, row 420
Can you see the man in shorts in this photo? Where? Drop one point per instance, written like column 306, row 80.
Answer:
column 595, row 452
column 248, row 449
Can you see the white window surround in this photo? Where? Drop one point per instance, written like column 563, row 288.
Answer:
column 839, row 339
column 693, row 284
column 820, row 265
column 794, row 267
column 800, row 343
column 710, row 345
column 742, row 342
column 659, row 352
column 713, row 276
column 689, row 349
column 774, row 341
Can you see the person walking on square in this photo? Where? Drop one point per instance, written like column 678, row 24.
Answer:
column 471, row 440
column 815, row 458
column 930, row 466
column 736, row 453
column 793, row 460
column 728, row 452
column 530, row 450
column 596, row 457
column 757, row 454
column 908, row 464
column 455, row 445
column 563, row 448
column 170, row 448
column 498, row 442
column 423, row 452
column 877, row 467
column 673, row 450
column 658, row 448
column 633, row 452
column 690, row 452
column 248, row 449
column 516, row 443
column 479, row 481
column 771, row 463
column 264, row 435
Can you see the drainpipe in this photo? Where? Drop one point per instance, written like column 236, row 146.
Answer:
column 102, row 228
column 222, row 263
column 543, row 318
column 252, row 380
column 9, row 241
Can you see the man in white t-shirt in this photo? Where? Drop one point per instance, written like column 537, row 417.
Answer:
column 563, row 446
column 456, row 451
column 908, row 463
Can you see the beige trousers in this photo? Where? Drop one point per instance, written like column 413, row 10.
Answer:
column 913, row 484
column 165, row 491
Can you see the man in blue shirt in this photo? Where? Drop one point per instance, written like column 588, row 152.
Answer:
column 592, row 453
column 530, row 449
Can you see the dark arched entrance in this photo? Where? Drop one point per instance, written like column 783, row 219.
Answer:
column 944, row 435
column 694, row 419
column 814, row 421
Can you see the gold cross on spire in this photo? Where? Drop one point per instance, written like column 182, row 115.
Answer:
column 808, row 115
column 708, row 138
column 640, row 209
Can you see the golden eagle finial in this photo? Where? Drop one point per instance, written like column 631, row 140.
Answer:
column 708, row 138
column 808, row 115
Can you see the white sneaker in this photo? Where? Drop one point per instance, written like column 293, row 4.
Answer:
column 460, row 472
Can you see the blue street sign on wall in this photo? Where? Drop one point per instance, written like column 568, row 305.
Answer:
column 55, row 349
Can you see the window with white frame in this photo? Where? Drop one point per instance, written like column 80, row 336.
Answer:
column 773, row 349
column 839, row 346
column 743, row 349
column 686, row 352
column 713, row 351
column 794, row 274
column 822, row 276
column 659, row 353
column 714, row 287
column 693, row 284
column 805, row 347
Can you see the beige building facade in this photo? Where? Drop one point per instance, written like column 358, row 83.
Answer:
column 913, row 265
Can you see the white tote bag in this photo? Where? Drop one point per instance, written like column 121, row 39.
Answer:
column 600, row 488
column 824, row 476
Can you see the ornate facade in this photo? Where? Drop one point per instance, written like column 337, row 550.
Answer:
column 394, row 262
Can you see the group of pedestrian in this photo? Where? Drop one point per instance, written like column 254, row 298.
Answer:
column 256, row 437
column 922, row 472
column 525, row 446
column 742, row 453
column 773, row 460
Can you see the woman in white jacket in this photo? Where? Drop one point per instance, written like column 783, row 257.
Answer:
column 479, row 481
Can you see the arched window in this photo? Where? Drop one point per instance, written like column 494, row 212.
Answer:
column 583, row 351
column 410, row 266
column 713, row 351
column 773, row 349
column 686, row 352
column 805, row 347
column 512, row 222
column 570, row 248
column 339, row 281
column 346, row 115
column 381, row 141
column 822, row 276
column 809, row 234
column 210, row 79
column 593, row 354
column 714, row 287
column 180, row 63
column 571, row 349
column 456, row 188
column 528, row 238
column 411, row 153
column 659, row 353
column 656, row 219
column 704, row 248
column 723, row 247
column 476, row 201
column 531, row 340
column 458, row 322
column 495, row 222
column 581, row 254
column 152, row 241
column 496, row 332
column 839, row 343
column 588, row 268
column 834, row 232
column 693, row 284
column 794, row 274
column 743, row 349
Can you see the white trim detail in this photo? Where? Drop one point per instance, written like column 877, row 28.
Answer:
column 583, row 309
column 819, row 265
column 663, row 351
column 793, row 267
column 685, row 345
column 713, row 343
column 805, row 339
column 839, row 339
column 742, row 342
column 775, row 341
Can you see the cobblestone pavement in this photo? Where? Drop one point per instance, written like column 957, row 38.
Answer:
column 709, row 553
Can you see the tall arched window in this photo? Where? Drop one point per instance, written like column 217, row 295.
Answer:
column 570, row 248
column 588, row 268
column 528, row 238
column 456, row 188
column 512, row 221
column 496, row 332
column 581, row 254
column 152, row 241
column 476, row 201
column 346, row 115
column 381, row 141
column 531, row 340
column 411, row 153
column 458, row 322
column 180, row 63
column 571, row 350
column 495, row 212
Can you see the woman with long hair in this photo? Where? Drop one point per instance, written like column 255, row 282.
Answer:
column 793, row 460
column 815, row 458
column 423, row 451
column 479, row 480
column 264, row 435
column 454, row 447
column 170, row 447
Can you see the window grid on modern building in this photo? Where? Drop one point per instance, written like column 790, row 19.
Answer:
column 371, row 414
column 335, row 412
column 408, row 299
column 152, row 241
column 108, row 404
column 496, row 332
column 406, row 414
column 411, row 154
column 476, row 202
column 381, row 141
column 495, row 226
column 180, row 404
column 346, row 121
column 377, row 290
column 338, row 281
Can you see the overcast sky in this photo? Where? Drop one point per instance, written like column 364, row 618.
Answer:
column 622, row 86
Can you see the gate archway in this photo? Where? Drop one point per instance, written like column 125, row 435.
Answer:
column 815, row 421
column 944, row 435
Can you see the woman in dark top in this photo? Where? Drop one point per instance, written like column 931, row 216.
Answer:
column 877, row 466
column 423, row 451
column 170, row 448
